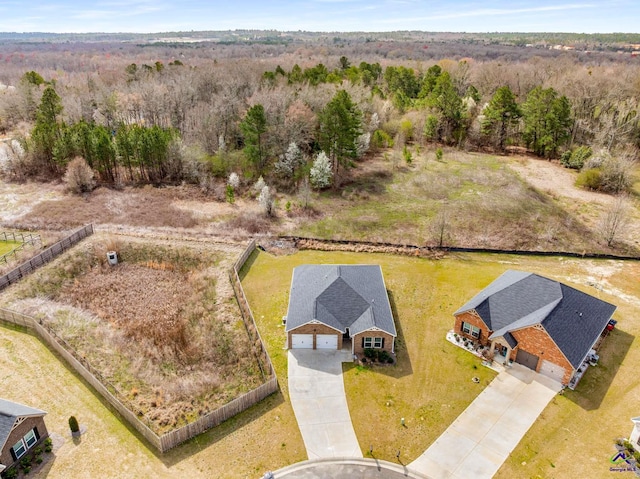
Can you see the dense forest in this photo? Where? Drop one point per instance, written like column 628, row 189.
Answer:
column 291, row 107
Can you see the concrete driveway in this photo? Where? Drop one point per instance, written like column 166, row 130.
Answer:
column 316, row 390
column 483, row 436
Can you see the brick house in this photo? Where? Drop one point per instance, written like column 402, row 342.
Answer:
column 21, row 429
column 330, row 304
column 538, row 322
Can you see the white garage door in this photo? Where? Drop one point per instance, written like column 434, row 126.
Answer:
column 326, row 341
column 552, row 370
column 302, row 341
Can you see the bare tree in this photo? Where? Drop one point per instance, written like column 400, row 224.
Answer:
column 615, row 219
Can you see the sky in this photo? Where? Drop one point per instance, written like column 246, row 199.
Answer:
column 149, row 16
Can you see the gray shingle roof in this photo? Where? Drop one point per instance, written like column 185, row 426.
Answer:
column 9, row 413
column 517, row 300
column 340, row 296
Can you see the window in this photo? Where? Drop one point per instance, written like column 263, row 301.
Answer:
column 30, row 438
column 19, row 449
column 471, row 330
column 377, row 343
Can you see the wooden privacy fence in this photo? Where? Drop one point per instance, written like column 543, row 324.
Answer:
column 43, row 258
column 82, row 367
column 259, row 347
column 128, row 410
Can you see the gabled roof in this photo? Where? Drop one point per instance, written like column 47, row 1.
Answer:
column 518, row 300
column 340, row 296
column 9, row 413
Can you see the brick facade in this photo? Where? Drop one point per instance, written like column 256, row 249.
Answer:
column 314, row 328
column 533, row 340
column 472, row 318
column 18, row 433
column 537, row 341
column 358, row 339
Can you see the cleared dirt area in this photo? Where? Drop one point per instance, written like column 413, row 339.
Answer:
column 589, row 206
column 161, row 326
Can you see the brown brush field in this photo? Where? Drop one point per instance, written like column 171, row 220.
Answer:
column 162, row 326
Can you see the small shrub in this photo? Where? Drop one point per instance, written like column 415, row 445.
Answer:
column 439, row 154
column 73, row 424
column 10, row 473
column 230, row 194
column 576, row 159
column 384, row 357
column 406, row 128
column 37, row 451
column 25, row 464
column 406, row 154
column 591, row 178
column 38, row 460
column 370, row 353
column 48, row 445
column 381, row 139
column 79, row 176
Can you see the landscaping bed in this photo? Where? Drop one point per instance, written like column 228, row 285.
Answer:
column 161, row 327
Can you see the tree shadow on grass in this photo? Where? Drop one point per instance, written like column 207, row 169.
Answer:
column 596, row 381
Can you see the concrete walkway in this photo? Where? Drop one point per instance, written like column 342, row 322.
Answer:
column 316, row 390
column 483, row 436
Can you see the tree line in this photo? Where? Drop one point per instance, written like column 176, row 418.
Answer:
column 158, row 124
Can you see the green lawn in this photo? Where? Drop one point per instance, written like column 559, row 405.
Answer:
column 431, row 384
column 6, row 246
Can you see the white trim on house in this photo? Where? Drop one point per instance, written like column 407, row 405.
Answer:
column 315, row 321
column 473, row 331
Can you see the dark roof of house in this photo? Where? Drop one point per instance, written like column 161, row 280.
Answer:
column 518, row 300
column 9, row 413
column 340, row 296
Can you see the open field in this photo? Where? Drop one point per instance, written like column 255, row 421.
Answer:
column 468, row 199
column 432, row 383
column 161, row 326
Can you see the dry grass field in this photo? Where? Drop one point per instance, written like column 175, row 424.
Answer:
column 467, row 199
column 161, row 325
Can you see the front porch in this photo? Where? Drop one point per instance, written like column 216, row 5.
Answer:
column 495, row 356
